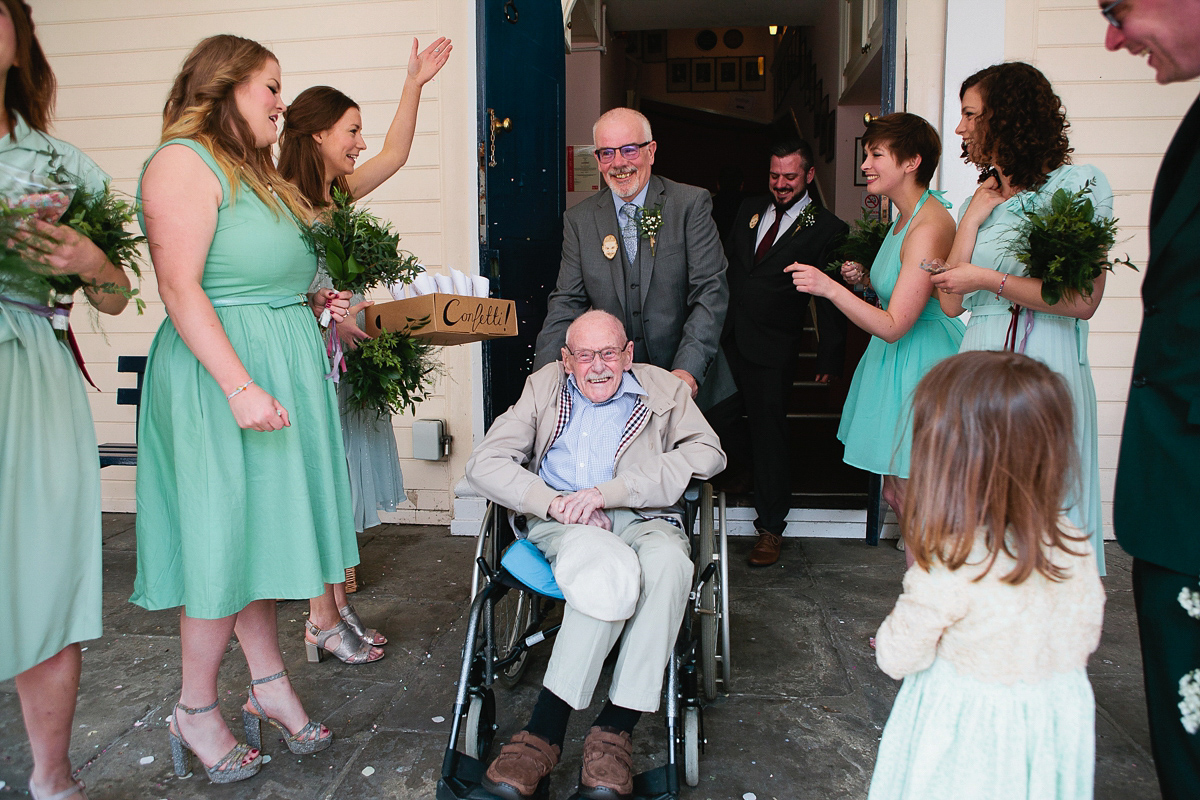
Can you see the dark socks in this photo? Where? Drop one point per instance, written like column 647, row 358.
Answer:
column 550, row 717
column 617, row 717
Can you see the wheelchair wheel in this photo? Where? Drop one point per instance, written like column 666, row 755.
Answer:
column 510, row 620
column 708, row 597
column 723, row 597
column 480, row 725
column 691, row 746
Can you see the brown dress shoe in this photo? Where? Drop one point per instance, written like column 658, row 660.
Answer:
column 607, row 772
column 766, row 550
column 520, row 767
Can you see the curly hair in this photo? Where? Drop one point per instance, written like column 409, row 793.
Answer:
column 1023, row 125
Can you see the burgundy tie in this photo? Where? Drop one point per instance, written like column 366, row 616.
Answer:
column 769, row 238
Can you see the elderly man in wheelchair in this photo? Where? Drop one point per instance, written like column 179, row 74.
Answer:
column 594, row 455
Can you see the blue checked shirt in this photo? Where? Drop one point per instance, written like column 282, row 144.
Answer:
column 585, row 452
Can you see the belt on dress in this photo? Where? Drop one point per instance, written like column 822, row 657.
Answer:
column 272, row 300
column 59, row 315
column 993, row 310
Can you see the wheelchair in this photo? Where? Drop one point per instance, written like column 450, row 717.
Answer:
column 513, row 596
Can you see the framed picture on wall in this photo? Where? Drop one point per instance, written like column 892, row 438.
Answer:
column 727, row 75
column 754, row 78
column 679, row 75
column 704, row 74
column 654, row 46
column 860, row 179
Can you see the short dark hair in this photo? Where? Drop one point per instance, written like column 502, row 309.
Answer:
column 794, row 147
column 907, row 136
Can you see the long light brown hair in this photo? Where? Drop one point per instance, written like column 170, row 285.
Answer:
column 29, row 87
column 202, row 107
column 315, row 110
column 993, row 448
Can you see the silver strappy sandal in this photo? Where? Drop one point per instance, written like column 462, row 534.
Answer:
column 229, row 769
column 350, row 647
column 369, row 635
column 312, row 738
column 77, row 789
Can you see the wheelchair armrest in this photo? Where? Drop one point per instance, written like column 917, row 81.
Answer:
column 692, row 493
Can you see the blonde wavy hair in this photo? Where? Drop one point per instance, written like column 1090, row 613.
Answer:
column 202, row 107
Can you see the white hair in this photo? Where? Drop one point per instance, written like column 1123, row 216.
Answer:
column 614, row 113
column 596, row 316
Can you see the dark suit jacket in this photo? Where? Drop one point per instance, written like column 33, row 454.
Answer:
column 681, row 295
column 766, row 313
column 1158, row 475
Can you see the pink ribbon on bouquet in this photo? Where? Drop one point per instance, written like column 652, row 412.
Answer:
column 333, row 349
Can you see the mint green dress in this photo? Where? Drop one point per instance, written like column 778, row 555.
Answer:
column 876, row 422
column 50, row 568
column 226, row 516
column 1059, row 342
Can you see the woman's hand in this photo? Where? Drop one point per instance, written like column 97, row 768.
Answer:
column 424, row 65
column 64, row 250
column 253, row 408
column 348, row 331
column 338, row 303
column 853, row 272
column 983, row 202
column 963, row 278
column 810, row 280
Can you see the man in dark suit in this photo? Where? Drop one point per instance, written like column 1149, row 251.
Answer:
column 766, row 320
column 1158, row 474
column 645, row 250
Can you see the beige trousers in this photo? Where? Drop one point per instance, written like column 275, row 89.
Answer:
column 584, row 642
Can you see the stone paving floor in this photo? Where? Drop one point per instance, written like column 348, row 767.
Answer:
column 803, row 720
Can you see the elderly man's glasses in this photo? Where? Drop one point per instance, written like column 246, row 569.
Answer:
column 608, row 354
column 628, row 151
column 1109, row 10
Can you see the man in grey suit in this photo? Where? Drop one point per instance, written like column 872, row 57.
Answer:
column 646, row 250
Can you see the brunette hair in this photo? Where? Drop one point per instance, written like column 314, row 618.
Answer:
column 1023, row 125
column 907, row 136
column 794, row 147
column 30, row 85
column 202, row 107
column 316, row 109
column 993, row 447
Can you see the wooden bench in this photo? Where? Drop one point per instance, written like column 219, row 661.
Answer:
column 124, row 454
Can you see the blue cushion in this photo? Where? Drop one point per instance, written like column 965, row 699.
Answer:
column 527, row 564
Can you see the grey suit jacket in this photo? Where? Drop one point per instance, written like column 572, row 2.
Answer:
column 678, row 293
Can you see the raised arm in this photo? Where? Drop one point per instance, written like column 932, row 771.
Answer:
column 398, row 143
column 180, row 198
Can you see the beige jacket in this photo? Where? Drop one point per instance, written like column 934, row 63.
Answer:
column 663, row 450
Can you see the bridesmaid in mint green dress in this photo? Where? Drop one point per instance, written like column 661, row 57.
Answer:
column 242, row 490
column 318, row 150
column 910, row 333
column 1025, row 145
column 50, row 562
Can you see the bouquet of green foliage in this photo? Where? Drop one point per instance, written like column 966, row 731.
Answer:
column 360, row 250
column 1065, row 244
column 389, row 374
column 862, row 243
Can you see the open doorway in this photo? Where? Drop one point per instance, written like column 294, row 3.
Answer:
column 718, row 87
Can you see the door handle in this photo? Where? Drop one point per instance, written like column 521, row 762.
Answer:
column 496, row 125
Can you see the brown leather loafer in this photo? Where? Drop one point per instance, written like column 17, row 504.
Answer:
column 607, row 772
column 520, row 767
column 766, row 550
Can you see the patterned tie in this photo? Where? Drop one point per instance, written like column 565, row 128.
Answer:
column 629, row 231
column 769, row 237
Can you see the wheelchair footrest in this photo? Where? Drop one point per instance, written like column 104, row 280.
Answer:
column 649, row 785
column 464, row 784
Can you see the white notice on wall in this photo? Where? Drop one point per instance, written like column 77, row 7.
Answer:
column 583, row 173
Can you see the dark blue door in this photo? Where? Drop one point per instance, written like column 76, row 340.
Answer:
column 523, row 187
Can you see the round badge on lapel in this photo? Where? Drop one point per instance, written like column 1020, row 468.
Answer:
column 754, row 222
column 609, row 247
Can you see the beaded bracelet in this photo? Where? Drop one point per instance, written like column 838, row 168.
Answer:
column 1004, row 280
column 239, row 390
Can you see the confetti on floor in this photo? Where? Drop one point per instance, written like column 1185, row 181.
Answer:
column 144, row 760
column 368, row 772
column 439, row 719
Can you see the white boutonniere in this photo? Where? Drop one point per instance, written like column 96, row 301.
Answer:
column 807, row 218
column 649, row 221
column 1189, row 684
